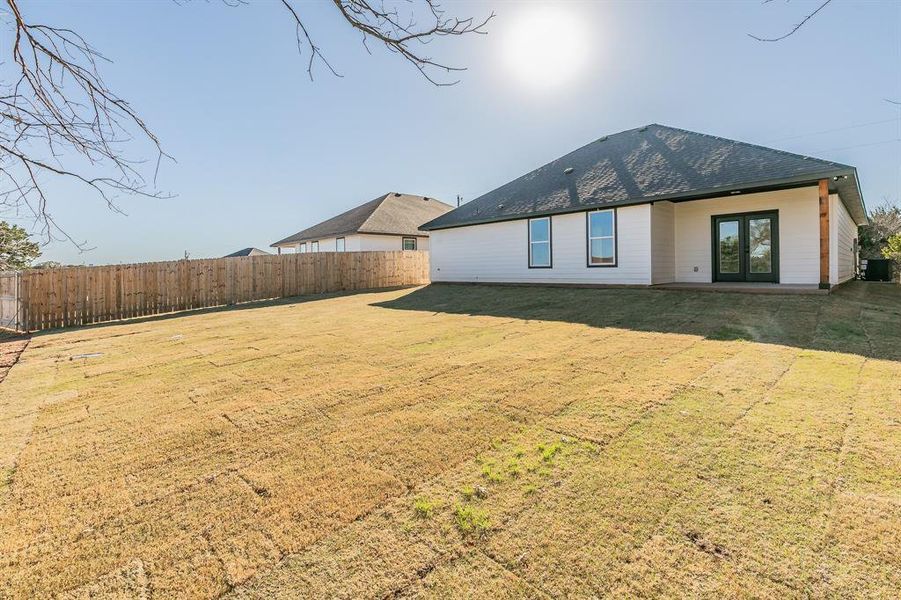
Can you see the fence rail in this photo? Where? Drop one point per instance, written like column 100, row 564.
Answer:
column 71, row 296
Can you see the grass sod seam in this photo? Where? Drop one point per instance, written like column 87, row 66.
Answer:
column 624, row 430
column 606, row 414
column 652, row 410
column 838, row 482
column 674, row 502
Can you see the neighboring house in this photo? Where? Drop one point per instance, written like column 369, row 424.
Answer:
column 390, row 222
column 659, row 205
column 248, row 252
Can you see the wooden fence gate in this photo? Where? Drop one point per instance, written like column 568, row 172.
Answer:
column 10, row 310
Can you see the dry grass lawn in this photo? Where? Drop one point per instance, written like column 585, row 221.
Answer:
column 461, row 441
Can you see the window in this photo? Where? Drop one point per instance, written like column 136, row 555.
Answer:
column 314, row 246
column 602, row 238
column 339, row 244
column 301, row 248
column 540, row 243
column 409, row 244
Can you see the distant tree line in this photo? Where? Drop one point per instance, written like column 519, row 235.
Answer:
column 885, row 223
column 881, row 237
column 16, row 250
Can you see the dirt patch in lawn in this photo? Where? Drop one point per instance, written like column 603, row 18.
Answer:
column 497, row 441
column 11, row 347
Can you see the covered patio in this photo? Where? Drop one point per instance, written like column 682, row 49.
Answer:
column 791, row 240
column 744, row 287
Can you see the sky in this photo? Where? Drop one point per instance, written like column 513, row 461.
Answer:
column 262, row 151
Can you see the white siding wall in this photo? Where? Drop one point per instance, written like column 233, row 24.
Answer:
column 498, row 251
column 842, row 233
column 656, row 243
column 799, row 233
column 352, row 243
column 390, row 242
column 366, row 242
column 328, row 244
column 663, row 231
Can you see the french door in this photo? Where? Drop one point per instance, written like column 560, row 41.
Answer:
column 746, row 247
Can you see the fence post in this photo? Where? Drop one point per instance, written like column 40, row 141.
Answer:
column 20, row 307
column 22, row 297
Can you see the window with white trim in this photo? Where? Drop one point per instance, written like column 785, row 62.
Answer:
column 302, row 247
column 339, row 244
column 540, row 243
column 314, row 246
column 602, row 238
column 409, row 243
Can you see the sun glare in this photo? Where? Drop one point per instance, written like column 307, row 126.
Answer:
column 545, row 47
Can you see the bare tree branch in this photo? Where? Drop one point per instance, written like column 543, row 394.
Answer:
column 60, row 120
column 303, row 34
column 58, row 107
column 399, row 32
column 795, row 28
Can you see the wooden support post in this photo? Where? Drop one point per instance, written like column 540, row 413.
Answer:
column 824, row 234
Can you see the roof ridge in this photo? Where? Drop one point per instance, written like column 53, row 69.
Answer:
column 752, row 145
column 739, row 164
column 707, row 135
column 602, row 138
column 399, row 195
column 381, row 200
column 377, row 201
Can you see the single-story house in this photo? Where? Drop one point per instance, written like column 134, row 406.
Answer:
column 657, row 205
column 390, row 222
column 248, row 252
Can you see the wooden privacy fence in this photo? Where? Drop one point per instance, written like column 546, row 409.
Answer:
column 70, row 296
column 9, row 299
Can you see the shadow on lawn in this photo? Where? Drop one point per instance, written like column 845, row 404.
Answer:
column 860, row 318
column 216, row 309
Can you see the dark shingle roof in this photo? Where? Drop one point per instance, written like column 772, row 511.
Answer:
column 651, row 163
column 393, row 213
column 247, row 252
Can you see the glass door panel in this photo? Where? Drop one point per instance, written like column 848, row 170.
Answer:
column 728, row 250
column 746, row 247
column 730, row 260
column 760, row 240
column 761, row 249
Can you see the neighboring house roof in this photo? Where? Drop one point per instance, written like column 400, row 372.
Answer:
column 248, row 252
column 392, row 213
column 648, row 164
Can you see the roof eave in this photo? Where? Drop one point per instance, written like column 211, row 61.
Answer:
column 310, row 238
column 407, row 233
column 863, row 204
column 751, row 187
